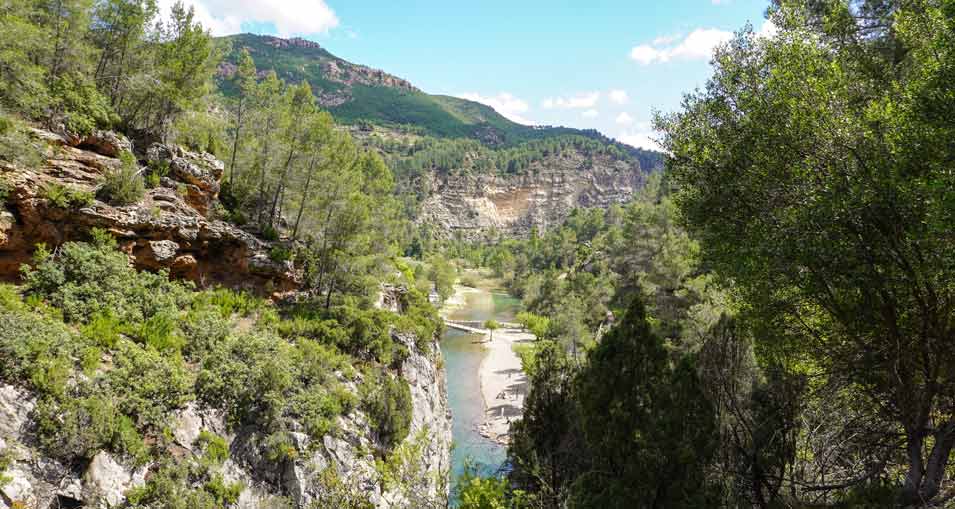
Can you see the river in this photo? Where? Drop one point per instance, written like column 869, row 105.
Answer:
column 462, row 360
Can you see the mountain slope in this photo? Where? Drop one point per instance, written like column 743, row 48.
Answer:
column 359, row 94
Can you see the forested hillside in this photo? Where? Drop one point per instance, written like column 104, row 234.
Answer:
column 424, row 138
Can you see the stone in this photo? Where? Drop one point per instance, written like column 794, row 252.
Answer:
column 107, row 143
column 179, row 238
column 474, row 205
column 106, row 480
column 163, row 250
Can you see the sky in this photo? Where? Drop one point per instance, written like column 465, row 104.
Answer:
column 602, row 64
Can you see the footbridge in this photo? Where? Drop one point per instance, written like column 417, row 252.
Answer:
column 476, row 327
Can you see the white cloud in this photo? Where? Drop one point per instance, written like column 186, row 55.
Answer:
column 640, row 135
column 591, row 113
column 577, row 102
column 619, row 96
column 699, row 44
column 504, row 103
column 639, row 139
column 290, row 17
column 624, row 119
column 720, row 2
column 665, row 40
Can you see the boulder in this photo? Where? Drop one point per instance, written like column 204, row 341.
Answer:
column 106, row 143
column 106, row 480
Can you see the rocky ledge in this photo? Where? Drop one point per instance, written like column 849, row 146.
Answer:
column 172, row 228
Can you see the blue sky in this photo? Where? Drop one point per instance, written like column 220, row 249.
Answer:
column 596, row 64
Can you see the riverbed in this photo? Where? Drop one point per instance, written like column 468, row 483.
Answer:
column 463, row 355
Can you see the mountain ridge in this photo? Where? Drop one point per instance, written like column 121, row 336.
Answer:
column 359, row 94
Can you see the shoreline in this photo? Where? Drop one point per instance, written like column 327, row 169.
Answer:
column 503, row 384
column 501, row 380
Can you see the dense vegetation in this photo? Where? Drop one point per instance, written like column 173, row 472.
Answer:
column 113, row 353
column 783, row 302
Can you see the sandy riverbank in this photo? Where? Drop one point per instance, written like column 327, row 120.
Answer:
column 503, row 385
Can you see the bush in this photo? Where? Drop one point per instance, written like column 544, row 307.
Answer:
column 387, row 402
column 84, row 280
column 16, row 145
column 262, row 380
column 214, row 448
column 124, row 185
column 66, row 197
column 148, row 385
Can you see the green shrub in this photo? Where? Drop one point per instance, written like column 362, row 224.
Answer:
column 173, row 486
column 204, row 330
column 84, row 280
column 280, row 254
column 263, row 380
column 16, row 145
column 66, row 197
column 102, row 329
column 148, row 385
column 152, row 180
column 124, row 185
column 280, row 447
column 387, row 402
column 158, row 331
column 229, row 302
column 37, row 350
column 214, row 448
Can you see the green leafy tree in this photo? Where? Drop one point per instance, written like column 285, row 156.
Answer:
column 824, row 150
column 648, row 427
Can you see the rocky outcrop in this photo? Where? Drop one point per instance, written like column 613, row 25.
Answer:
column 348, row 452
column 37, row 481
column 171, row 228
column 472, row 205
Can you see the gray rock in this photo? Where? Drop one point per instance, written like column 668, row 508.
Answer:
column 106, row 480
column 163, row 250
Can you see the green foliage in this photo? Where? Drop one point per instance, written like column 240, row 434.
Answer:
column 16, row 146
column 214, row 448
column 85, row 281
column 826, row 151
column 476, row 492
column 341, row 491
column 173, row 486
column 263, row 380
column 124, row 185
column 536, row 324
column 65, row 196
column 387, row 402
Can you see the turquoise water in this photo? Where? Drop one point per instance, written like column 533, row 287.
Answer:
column 462, row 359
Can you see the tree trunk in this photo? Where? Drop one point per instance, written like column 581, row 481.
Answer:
column 938, row 461
column 301, row 206
column 913, row 478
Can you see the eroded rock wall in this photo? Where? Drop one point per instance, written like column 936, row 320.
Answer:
column 471, row 206
column 172, row 227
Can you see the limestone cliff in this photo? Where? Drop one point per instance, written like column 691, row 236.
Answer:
column 471, row 205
